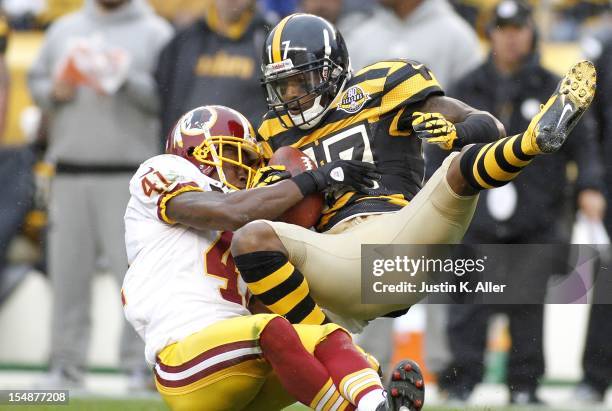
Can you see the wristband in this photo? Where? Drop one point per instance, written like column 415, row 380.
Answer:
column 306, row 182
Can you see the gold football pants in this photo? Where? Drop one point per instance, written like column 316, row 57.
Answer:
column 221, row 368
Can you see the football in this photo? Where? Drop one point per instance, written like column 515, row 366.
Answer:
column 307, row 212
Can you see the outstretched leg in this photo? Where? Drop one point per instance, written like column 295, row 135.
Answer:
column 483, row 166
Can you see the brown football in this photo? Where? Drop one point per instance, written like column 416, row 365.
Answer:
column 307, row 212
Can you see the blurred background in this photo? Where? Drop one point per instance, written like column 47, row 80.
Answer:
column 566, row 349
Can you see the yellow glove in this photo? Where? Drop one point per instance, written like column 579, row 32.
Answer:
column 269, row 175
column 434, row 129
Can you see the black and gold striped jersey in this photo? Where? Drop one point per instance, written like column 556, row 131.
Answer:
column 363, row 125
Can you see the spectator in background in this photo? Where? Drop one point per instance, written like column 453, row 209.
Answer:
column 330, row 10
column 411, row 29
column 5, row 30
column 468, row 9
column 597, row 357
column 475, row 12
column 573, row 17
column 22, row 13
column 101, row 129
column 36, row 14
column 214, row 61
column 15, row 178
column 511, row 85
column 277, row 9
column 181, row 13
column 347, row 15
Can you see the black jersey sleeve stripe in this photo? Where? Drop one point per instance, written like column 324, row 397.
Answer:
column 370, row 75
column 399, row 76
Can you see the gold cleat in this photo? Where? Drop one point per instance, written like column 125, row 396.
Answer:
column 557, row 118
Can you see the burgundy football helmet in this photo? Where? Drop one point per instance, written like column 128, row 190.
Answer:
column 202, row 134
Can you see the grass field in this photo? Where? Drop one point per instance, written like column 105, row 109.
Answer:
column 107, row 391
column 99, row 404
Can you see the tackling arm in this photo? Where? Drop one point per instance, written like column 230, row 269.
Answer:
column 220, row 211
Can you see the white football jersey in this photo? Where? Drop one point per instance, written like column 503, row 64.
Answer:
column 180, row 279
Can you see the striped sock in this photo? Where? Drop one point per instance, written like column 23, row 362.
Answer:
column 495, row 164
column 280, row 286
column 354, row 386
column 329, row 399
column 348, row 366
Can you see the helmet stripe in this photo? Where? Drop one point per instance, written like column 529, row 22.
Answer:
column 326, row 41
column 276, row 40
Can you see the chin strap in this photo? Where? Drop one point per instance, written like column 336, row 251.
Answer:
column 309, row 115
column 315, row 119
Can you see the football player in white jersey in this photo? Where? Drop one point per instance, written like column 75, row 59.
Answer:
column 184, row 296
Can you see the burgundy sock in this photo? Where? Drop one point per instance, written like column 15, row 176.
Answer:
column 349, row 369
column 300, row 373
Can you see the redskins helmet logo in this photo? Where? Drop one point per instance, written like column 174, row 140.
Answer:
column 198, row 121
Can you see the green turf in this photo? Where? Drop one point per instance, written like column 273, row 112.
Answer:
column 94, row 404
column 100, row 404
column 139, row 405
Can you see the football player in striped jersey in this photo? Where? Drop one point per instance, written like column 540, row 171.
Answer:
column 380, row 114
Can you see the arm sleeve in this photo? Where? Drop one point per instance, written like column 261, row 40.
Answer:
column 476, row 128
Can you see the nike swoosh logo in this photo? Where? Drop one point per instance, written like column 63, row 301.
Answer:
column 566, row 108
